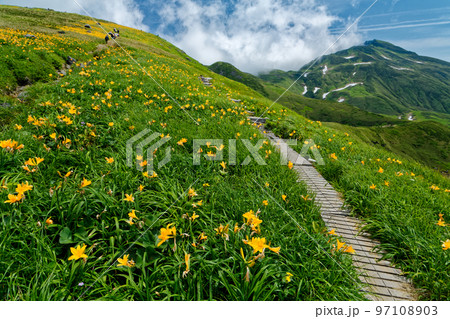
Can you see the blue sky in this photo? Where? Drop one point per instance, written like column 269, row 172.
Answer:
column 260, row 35
column 419, row 26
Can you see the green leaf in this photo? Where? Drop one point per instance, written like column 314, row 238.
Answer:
column 65, row 237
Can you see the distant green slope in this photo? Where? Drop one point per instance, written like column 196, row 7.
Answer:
column 426, row 142
column 328, row 111
column 231, row 72
column 390, row 80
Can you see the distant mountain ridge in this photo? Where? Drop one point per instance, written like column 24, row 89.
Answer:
column 368, row 87
column 377, row 77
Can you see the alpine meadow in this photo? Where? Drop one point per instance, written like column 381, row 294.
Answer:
column 86, row 215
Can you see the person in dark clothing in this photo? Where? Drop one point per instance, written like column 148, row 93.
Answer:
column 106, row 39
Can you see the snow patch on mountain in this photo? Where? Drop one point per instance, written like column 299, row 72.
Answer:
column 401, row 69
column 343, row 88
column 325, row 70
column 316, row 89
column 386, row 58
column 348, row 86
column 305, row 90
column 349, row 57
column 341, row 100
column 418, row 62
column 362, row 63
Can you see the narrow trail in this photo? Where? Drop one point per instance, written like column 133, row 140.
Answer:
column 385, row 282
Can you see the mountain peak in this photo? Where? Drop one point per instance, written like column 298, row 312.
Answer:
column 387, row 45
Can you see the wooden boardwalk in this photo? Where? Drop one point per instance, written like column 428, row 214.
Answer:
column 385, row 282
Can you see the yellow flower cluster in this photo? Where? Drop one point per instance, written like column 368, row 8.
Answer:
column 11, row 145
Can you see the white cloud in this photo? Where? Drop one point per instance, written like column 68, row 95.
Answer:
column 259, row 35
column 124, row 12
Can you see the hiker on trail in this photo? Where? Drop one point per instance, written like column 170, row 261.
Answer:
column 106, row 39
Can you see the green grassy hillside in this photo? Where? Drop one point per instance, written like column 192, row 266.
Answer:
column 426, row 142
column 78, row 223
column 177, row 234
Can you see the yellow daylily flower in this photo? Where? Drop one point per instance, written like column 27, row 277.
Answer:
column 191, row 192
column 14, row 198
column 182, row 141
column 188, row 263
column 166, row 234
column 24, row 187
column 222, row 231
column 85, row 183
column 78, row 252
column 133, row 214
column 259, row 244
column 34, row 161
column 125, row 262
column 288, row 277
column 446, row 244
column 349, row 249
column 66, row 175
column 339, row 244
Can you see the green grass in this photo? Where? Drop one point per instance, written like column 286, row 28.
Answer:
column 112, row 89
column 441, row 118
